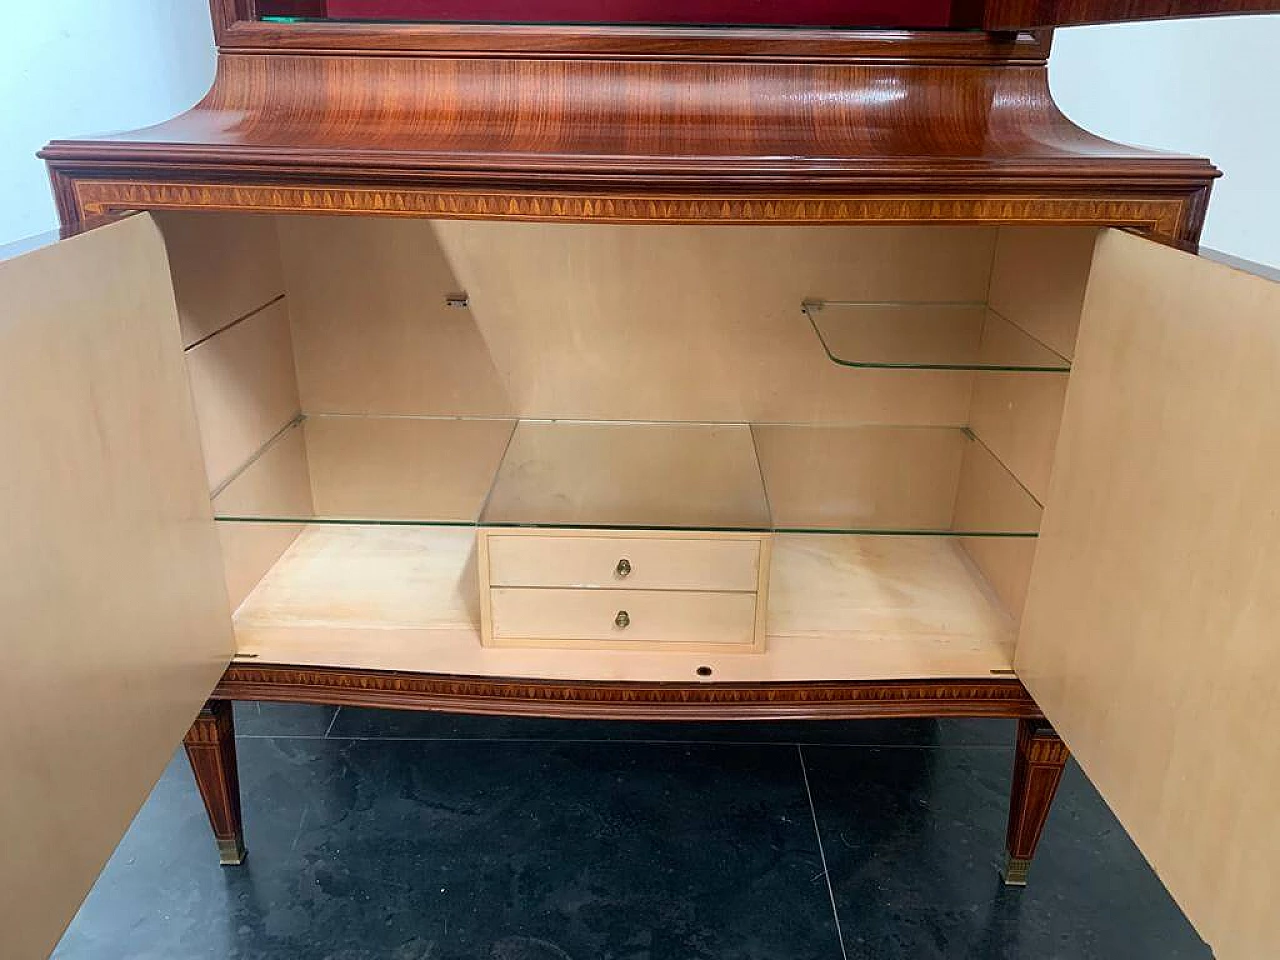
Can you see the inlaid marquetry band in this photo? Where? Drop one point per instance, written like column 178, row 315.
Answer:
column 1158, row 216
column 997, row 697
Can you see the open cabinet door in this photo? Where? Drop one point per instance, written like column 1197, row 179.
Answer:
column 1151, row 637
column 114, row 608
column 1034, row 14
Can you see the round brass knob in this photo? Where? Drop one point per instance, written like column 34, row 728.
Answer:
column 623, row 569
column 622, row 620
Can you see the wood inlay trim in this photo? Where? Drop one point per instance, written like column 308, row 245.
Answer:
column 1158, row 216
column 997, row 697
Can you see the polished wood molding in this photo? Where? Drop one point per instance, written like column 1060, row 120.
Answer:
column 211, row 750
column 995, row 697
column 1040, row 757
column 237, row 30
column 534, row 41
column 637, row 125
column 865, row 141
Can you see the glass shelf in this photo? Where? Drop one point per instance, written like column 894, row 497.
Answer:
column 638, row 475
column 370, row 470
column 890, row 480
column 928, row 336
column 650, row 476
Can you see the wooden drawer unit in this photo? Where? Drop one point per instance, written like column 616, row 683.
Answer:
column 640, row 562
column 625, row 618
column 623, row 589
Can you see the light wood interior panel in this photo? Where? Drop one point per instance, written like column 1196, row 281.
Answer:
column 224, row 267
column 840, row 607
column 897, row 587
column 244, row 388
column 1149, row 636
column 861, row 478
column 987, row 497
column 278, row 485
column 1017, row 416
column 1038, row 280
column 379, row 577
column 986, row 500
column 1005, row 562
column 605, row 322
column 229, row 287
column 372, row 332
column 116, row 621
column 401, row 468
column 248, row 550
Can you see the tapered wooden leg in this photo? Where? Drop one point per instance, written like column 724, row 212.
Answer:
column 1038, row 762
column 211, row 748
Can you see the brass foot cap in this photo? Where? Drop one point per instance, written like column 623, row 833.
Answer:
column 231, row 852
column 1015, row 871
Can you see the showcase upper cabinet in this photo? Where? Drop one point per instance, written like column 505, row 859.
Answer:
column 926, row 14
column 1147, row 637
column 1033, row 14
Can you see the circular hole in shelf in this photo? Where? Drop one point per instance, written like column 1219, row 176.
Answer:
column 703, row 671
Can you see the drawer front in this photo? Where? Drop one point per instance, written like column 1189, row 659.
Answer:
column 635, row 563
column 623, row 616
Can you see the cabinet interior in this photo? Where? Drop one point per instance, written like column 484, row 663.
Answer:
column 882, row 401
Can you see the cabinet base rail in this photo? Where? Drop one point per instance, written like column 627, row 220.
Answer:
column 997, row 696
column 1039, row 757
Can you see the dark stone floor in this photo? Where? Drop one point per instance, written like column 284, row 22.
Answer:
column 424, row 837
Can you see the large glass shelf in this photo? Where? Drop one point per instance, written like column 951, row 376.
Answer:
column 797, row 478
column 889, row 480
column 345, row 469
column 927, row 336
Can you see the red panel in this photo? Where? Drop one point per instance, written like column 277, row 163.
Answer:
column 797, row 13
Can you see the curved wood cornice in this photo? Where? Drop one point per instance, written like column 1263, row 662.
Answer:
column 611, row 128
column 997, row 697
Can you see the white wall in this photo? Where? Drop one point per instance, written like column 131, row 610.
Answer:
column 1207, row 87
column 89, row 66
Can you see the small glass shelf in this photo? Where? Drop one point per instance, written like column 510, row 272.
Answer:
column 650, row 476
column 927, row 336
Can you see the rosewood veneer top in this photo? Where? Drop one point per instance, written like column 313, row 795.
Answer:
column 968, row 113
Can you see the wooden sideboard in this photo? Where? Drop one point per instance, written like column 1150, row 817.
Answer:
column 650, row 372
